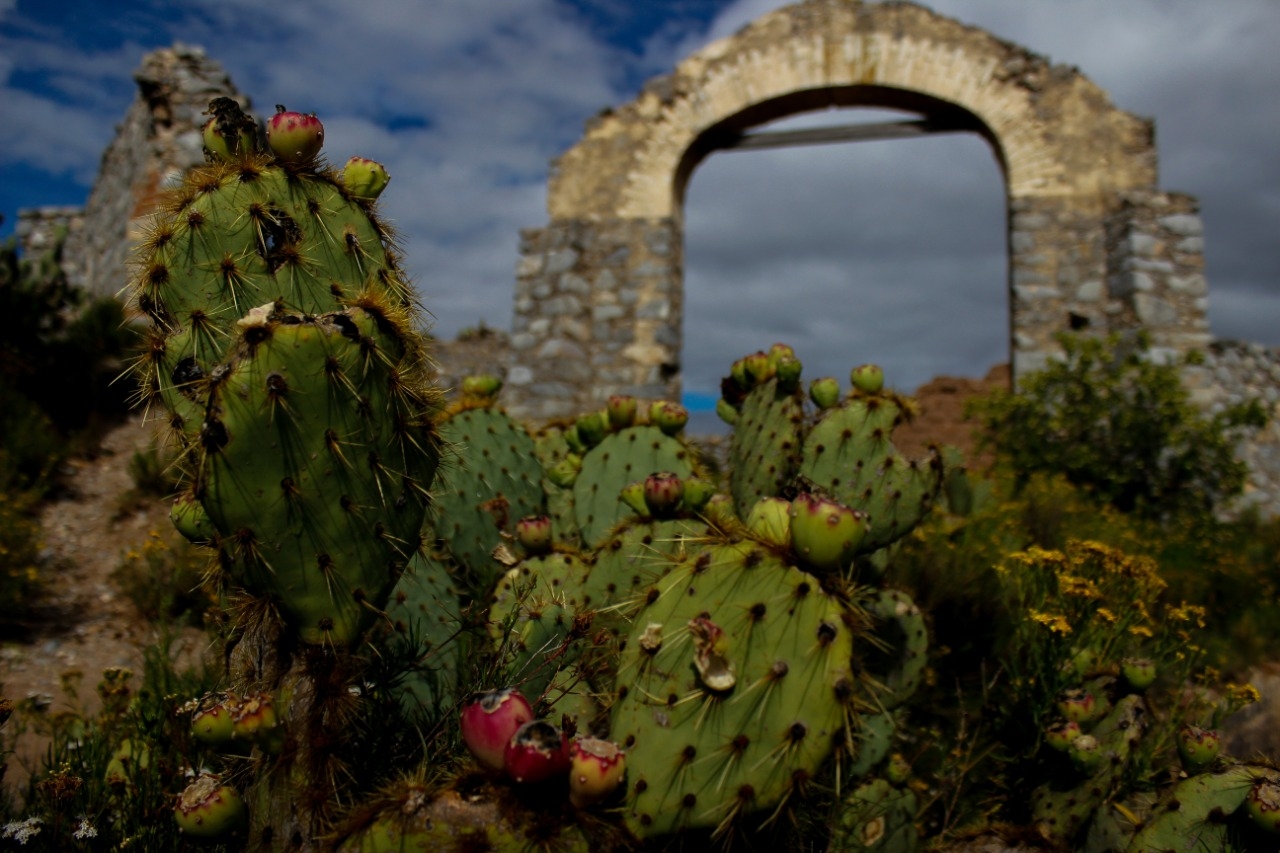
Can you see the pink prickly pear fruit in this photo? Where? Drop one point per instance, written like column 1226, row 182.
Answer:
column 592, row 428
column 533, row 532
column 596, row 768
column 209, row 809
column 668, row 417
column 215, row 724
column 1059, row 735
column 489, row 722
column 1262, row 805
column 825, row 392
column 1086, row 753
column 621, row 409
column 1077, row 705
column 696, row 492
column 537, row 752
column 1139, row 673
column 770, row 519
column 632, row 495
column 726, row 412
column 825, row 534
column 662, row 493
column 1198, row 747
column 294, row 137
column 364, row 178
column 758, row 368
column 482, row 386
column 868, row 378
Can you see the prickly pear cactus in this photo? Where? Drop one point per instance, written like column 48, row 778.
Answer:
column 314, row 460
column 848, row 453
column 425, row 611
column 732, row 690
column 764, row 451
column 876, row 816
column 497, row 481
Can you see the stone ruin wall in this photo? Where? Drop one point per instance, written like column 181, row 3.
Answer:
column 1093, row 243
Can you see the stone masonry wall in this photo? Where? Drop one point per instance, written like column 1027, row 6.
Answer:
column 158, row 140
column 37, row 232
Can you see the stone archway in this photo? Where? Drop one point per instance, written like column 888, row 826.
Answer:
column 599, row 290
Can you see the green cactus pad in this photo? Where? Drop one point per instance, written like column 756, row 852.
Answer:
column 532, row 617
column 849, row 455
column 704, row 752
column 621, row 458
column 496, row 482
column 553, row 450
column 316, row 458
column 873, row 741
column 876, row 816
column 764, row 450
column 899, row 662
column 1198, row 813
column 425, row 609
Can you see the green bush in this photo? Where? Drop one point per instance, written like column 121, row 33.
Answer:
column 1120, row 424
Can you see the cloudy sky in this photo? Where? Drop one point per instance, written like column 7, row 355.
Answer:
column 886, row 251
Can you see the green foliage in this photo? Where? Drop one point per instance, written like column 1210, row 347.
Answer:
column 163, row 578
column 1116, row 420
column 20, row 577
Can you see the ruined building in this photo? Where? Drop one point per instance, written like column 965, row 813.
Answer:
column 1094, row 242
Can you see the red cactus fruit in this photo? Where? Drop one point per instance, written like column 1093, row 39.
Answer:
column 209, row 809
column 596, row 768
column 294, row 137
column 662, row 493
column 1059, row 735
column 533, row 532
column 1077, row 705
column 490, row 720
column 537, row 752
column 1263, row 805
column 254, row 719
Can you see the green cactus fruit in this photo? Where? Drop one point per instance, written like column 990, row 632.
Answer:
column 770, row 521
column 592, row 428
column 533, row 532
column 1198, row 747
column 726, row 412
column 738, row 374
column 663, row 491
column 621, row 410
column 897, row 770
column 867, row 378
column 1077, row 705
column 189, row 518
column 759, row 369
column 364, row 178
column 1059, row 735
column 825, row 392
column 1086, row 754
column 209, row 809
column 1262, row 805
column 632, row 495
column 1139, row 673
column 825, row 534
column 764, row 450
column 229, row 134
column 779, row 352
column 565, row 473
column 294, row 137
column 876, row 816
column 668, row 417
column 497, row 481
column 712, row 726
column 621, row 458
column 213, row 723
column 481, row 387
column 318, row 450
column 849, row 456
column 254, row 719
column 787, row 371
column 696, row 492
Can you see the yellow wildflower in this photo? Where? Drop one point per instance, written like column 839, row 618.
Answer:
column 1055, row 622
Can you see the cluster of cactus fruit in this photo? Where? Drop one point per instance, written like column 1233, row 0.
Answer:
column 698, row 656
